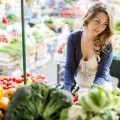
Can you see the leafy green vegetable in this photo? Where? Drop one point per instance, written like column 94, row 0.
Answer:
column 28, row 102
column 110, row 115
column 3, row 26
column 40, row 96
column 64, row 114
column 21, row 106
column 37, row 102
column 75, row 112
column 13, row 18
column 93, row 100
column 117, row 26
column 58, row 100
column 116, row 91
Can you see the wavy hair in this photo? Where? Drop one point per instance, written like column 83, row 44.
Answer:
column 105, row 37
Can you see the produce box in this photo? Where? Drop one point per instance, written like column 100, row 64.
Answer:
column 5, row 57
column 5, row 70
column 30, row 59
column 41, row 49
column 32, row 50
column 115, row 70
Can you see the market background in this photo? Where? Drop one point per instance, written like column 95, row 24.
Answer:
column 48, row 24
column 41, row 94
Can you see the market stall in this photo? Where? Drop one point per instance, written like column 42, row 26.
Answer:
column 28, row 96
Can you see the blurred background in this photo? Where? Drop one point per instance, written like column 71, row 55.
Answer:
column 47, row 25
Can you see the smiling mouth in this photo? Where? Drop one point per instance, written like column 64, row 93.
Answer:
column 96, row 31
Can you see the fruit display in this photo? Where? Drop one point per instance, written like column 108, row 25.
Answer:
column 6, row 21
column 4, row 39
column 72, row 12
column 14, row 82
column 9, row 85
column 62, row 49
column 10, row 19
column 11, row 47
column 5, row 97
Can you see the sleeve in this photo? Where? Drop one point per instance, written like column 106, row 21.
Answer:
column 70, row 64
column 104, row 68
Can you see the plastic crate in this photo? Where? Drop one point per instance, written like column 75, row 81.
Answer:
column 115, row 70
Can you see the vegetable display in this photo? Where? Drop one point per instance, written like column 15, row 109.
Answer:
column 97, row 104
column 37, row 102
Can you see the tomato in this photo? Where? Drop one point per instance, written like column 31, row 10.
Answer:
column 4, row 82
column 42, row 76
column 18, row 80
column 75, row 98
column 6, row 78
column 5, row 87
column 34, row 80
column 8, row 83
column 13, row 78
column 28, row 74
column 22, row 76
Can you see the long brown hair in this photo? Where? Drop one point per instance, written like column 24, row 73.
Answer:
column 103, row 38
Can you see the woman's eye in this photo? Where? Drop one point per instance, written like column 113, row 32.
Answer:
column 97, row 21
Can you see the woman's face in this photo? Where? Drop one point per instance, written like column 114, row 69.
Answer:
column 98, row 24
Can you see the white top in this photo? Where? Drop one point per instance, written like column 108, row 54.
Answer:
column 86, row 72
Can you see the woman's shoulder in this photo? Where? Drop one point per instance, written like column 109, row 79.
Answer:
column 75, row 33
column 75, row 36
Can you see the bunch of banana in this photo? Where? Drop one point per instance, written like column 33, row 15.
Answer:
column 98, row 100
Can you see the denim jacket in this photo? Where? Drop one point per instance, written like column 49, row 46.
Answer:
column 74, row 56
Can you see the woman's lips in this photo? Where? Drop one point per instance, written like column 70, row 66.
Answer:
column 96, row 31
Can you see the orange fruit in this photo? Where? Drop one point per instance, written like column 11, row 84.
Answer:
column 1, row 91
column 4, row 102
column 9, row 91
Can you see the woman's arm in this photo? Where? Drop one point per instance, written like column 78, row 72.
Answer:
column 103, row 72
column 70, row 63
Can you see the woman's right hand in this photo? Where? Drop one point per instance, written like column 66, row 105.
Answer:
column 70, row 95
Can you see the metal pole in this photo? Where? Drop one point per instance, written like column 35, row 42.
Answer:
column 23, row 40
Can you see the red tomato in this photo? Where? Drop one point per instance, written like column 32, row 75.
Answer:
column 6, row 78
column 18, row 80
column 4, row 82
column 13, row 78
column 22, row 76
column 28, row 74
column 42, row 76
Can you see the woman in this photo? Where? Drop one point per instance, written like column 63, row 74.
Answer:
column 89, row 52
